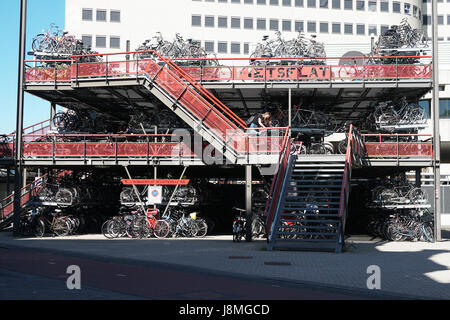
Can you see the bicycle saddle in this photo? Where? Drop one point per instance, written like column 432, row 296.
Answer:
column 239, row 209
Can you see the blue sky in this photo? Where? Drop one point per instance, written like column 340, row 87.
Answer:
column 41, row 13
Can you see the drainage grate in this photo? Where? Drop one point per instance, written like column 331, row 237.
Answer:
column 240, row 257
column 276, row 263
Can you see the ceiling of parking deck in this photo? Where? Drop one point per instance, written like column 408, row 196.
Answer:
column 119, row 101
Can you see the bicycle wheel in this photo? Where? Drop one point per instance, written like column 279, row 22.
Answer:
column 108, row 229
column 64, row 197
column 342, row 146
column 61, row 227
column 39, row 228
column 161, row 229
column 317, row 148
column 202, row 228
column 428, row 233
column 257, row 228
column 138, row 228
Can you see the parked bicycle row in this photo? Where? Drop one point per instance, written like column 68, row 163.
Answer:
column 301, row 46
column 57, row 44
column 58, row 222
column 179, row 48
column 398, row 191
column 402, row 36
column 137, row 224
column 402, row 225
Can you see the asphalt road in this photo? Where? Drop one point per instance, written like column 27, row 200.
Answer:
column 34, row 274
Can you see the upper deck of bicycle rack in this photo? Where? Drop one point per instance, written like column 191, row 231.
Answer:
column 116, row 83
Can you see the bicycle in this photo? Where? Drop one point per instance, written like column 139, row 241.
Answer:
column 305, row 118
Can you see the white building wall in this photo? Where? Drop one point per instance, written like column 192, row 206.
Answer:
column 140, row 20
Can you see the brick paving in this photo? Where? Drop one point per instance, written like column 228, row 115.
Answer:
column 410, row 269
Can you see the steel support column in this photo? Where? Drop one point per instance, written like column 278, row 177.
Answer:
column 436, row 129
column 52, row 113
column 290, row 109
column 248, row 202
column 19, row 118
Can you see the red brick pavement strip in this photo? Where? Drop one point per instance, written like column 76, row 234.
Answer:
column 155, row 282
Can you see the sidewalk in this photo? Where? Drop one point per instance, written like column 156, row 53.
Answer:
column 412, row 269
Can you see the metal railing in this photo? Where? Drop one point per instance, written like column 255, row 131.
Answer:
column 240, row 70
column 398, row 145
column 27, row 193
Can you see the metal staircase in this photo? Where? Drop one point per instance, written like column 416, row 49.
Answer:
column 27, row 194
column 189, row 100
column 310, row 209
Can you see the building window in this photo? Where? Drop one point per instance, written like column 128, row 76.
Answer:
column 348, row 4
column 100, row 41
column 311, row 3
column 274, row 2
column 348, row 28
column 426, row 19
column 440, row 20
column 448, row 19
column 235, row 1
column 360, row 5
column 236, row 48
column 372, row 6
column 196, row 21
column 209, row 21
column 223, row 1
column 299, row 3
column 407, row 8
column 415, row 9
column 87, row 41
column 360, row 29
column 323, row 26
column 444, row 108
column 336, row 4
column 287, row 3
column 311, row 26
column 336, row 27
column 235, row 23
column 273, row 25
column 222, row 47
column 209, row 46
column 114, row 42
column 222, row 22
column 426, row 105
column 396, row 7
column 87, row 15
column 384, row 6
column 372, row 30
column 246, row 48
column 101, row 15
column 299, row 26
column 262, row 2
column 114, row 16
column 261, row 24
column 248, row 23
column 248, row 1
column 383, row 29
column 323, row 4
column 287, row 25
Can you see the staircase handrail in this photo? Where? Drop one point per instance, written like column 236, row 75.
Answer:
column 355, row 147
column 24, row 191
column 277, row 182
column 176, row 71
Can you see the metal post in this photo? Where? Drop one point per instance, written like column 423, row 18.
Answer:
column 8, row 178
column 173, row 193
column 52, row 114
column 436, row 129
column 135, row 190
column 248, row 203
column 19, row 118
column 290, row 109
column 418, row 178
column 24, row 183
